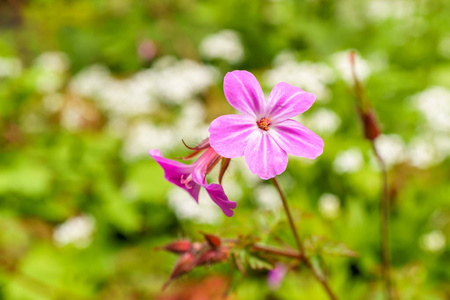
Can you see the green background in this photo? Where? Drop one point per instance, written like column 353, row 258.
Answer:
column 69, row 155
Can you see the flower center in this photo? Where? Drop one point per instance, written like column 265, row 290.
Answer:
column 264, row 123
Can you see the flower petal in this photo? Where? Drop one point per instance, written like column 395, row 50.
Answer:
column 286, row 101
column 244, row 93
column 201, row 166
column 264, row 157
column 229, row 134
column 217, row 195
column 296, row 139
column 174, row 171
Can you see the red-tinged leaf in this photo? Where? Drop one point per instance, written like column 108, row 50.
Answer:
column 212, row 240
column 179, row 247
column 223, row 168
column 202, row 146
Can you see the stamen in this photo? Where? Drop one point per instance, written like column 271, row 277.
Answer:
column 186, row 181
column 264, row 123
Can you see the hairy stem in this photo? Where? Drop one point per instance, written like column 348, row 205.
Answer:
column 277, row 251
column 302, row 255
column 384, row 227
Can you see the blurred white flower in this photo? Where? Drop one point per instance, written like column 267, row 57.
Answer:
column 267, row 197
column 53, row 102
column 76, row 230
column 348, row 161
column 238, row 165
column 309, row 76
column 224, row 44
column 341, row 62
column 329, row 206
column 126, row 97
column 379, row 10
column 190, row 125
column 89, row 82
column 10, row 67
column 441, row 142
column 57, row 62
column 144, row 136
column 49, row 82
column 433, row 241
column 434, row 105
column 185, row 207
column 169, row 81
column 422, row 153
column 232, row 188
column 32, row 122
column 391, row 148
column 183, row 80
column 51, row 67
column 323, row 121
column 76, row 114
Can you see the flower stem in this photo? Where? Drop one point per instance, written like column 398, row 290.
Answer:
column 384, row 227
column 302, row 255
column 277, row 251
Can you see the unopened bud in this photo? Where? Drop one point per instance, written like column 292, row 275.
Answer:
column 371, row 128
column 213, row 241
column 179, row 247
column 213, row 256
column 183, row 265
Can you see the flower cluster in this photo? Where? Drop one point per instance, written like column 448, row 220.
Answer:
column 263, row 133
column 194, row 254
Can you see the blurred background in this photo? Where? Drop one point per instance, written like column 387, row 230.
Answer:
column 88, row 86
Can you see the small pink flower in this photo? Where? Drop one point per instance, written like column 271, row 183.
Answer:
column 276, row 276
column 192, row 177
column 264, row 134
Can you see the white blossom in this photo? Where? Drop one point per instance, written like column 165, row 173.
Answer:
column 422, row 153
column 434, row 105
column 380, row 10
column 53, row 102
column 323, row 121
column 329, row 205
column 224, row 44
column 76, row 230
column 391, row 148
column 267, row 197
column 348, row 161
column 144, row 136
column 309, row 76
column 433, row 241
column 185, row 207
column 10, row 67
column 51, row 68
column 57, row 62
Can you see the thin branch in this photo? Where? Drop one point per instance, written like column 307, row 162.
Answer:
column 302, row 256
column 384, row 227
column 371, row 132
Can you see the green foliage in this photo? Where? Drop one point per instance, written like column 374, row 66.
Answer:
column 66, row 157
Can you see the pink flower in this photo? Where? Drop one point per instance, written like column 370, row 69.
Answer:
column 264, row 134
column 192, row 177
column 276, row 276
